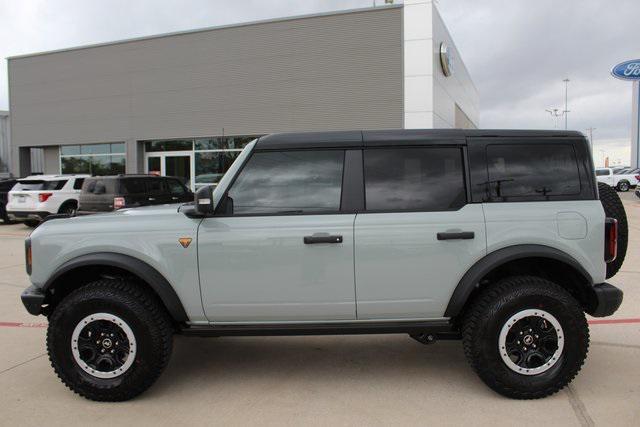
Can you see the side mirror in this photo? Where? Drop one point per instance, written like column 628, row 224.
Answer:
column 203, row 201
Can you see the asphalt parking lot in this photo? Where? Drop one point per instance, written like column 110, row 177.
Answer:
column 345, row 380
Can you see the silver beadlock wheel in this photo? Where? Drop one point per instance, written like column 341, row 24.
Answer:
column 531, row 342
column 103, row 345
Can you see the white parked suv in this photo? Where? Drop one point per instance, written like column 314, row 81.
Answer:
column 620, row 179
column 35, row 197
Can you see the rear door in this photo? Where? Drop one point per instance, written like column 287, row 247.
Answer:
column 418, row 234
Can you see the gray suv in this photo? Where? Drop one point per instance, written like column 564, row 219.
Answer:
column 498, row 238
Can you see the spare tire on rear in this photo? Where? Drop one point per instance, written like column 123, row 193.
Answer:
column 613, row 208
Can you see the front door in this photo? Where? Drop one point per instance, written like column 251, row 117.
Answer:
column 176, row 164
column 282, row 250
column 417, row 236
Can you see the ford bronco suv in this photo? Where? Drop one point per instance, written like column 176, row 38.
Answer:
column 498, row 238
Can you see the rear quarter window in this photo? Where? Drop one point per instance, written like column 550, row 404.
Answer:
column 77, row 185
column 532, row 171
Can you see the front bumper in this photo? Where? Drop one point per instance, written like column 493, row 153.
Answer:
column 26, row 215
column 33, row 298
column 604, row 300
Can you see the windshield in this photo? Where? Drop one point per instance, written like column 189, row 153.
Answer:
column 38, row 185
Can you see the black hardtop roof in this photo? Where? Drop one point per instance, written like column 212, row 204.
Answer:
column 369, row 138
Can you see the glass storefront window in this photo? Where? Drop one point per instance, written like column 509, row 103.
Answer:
column 170, row 145
column 69, row 149
column 95, row 159
column 223, row 143
column 75, row 164
column 94, row 149
column 211, row 166
column 118, row 148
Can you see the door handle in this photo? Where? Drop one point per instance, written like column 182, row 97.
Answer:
column 152, row 198
column 456, row 235
column 322, row 238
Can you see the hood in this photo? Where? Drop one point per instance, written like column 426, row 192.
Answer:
column 147, row 218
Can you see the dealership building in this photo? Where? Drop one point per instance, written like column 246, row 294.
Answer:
column 185, row 104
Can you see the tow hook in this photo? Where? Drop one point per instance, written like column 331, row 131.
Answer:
column 424, row 338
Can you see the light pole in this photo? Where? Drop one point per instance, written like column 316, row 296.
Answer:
column 566, row 110
column 554, row 114
column 590, row 130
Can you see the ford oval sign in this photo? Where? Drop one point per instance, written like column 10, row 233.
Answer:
column 628, row 70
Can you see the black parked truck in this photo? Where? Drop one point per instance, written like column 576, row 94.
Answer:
column 109, row 193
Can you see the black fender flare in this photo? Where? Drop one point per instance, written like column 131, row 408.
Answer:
column 495, row 259
column 141, row 269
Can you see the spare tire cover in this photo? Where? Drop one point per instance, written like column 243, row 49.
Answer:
column 613, row 208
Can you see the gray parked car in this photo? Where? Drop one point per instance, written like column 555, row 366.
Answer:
column 498, row 238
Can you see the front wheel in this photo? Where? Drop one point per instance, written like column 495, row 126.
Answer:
column 109, row 340
column 526, row 337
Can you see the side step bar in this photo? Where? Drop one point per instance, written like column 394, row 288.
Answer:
column 440, row 328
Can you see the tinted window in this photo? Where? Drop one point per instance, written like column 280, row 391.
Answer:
column 175, row 187
column 289, row 182
column 89, row 185
column 602, row 172
column 132, row 186
column 36, row 185
column 530, row 170
column 78, row 183
column 428, row 179
column 154, row 186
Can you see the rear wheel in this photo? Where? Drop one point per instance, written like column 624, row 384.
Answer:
column 525, row 337
column 109, row 340
column 613, row 208
column 68, row 208
column 31, row 223
column 623, row 186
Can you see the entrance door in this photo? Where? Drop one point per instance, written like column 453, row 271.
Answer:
column 178, row 164
column 180, row 167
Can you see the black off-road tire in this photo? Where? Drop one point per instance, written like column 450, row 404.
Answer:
column 490, row 311
column 140, row 309
column 32, row 223
column 613, row 208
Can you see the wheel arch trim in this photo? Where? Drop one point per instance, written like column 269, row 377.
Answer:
column 156, row 281
column 495, row 259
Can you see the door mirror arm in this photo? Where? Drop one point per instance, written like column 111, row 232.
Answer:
column 202, row 203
